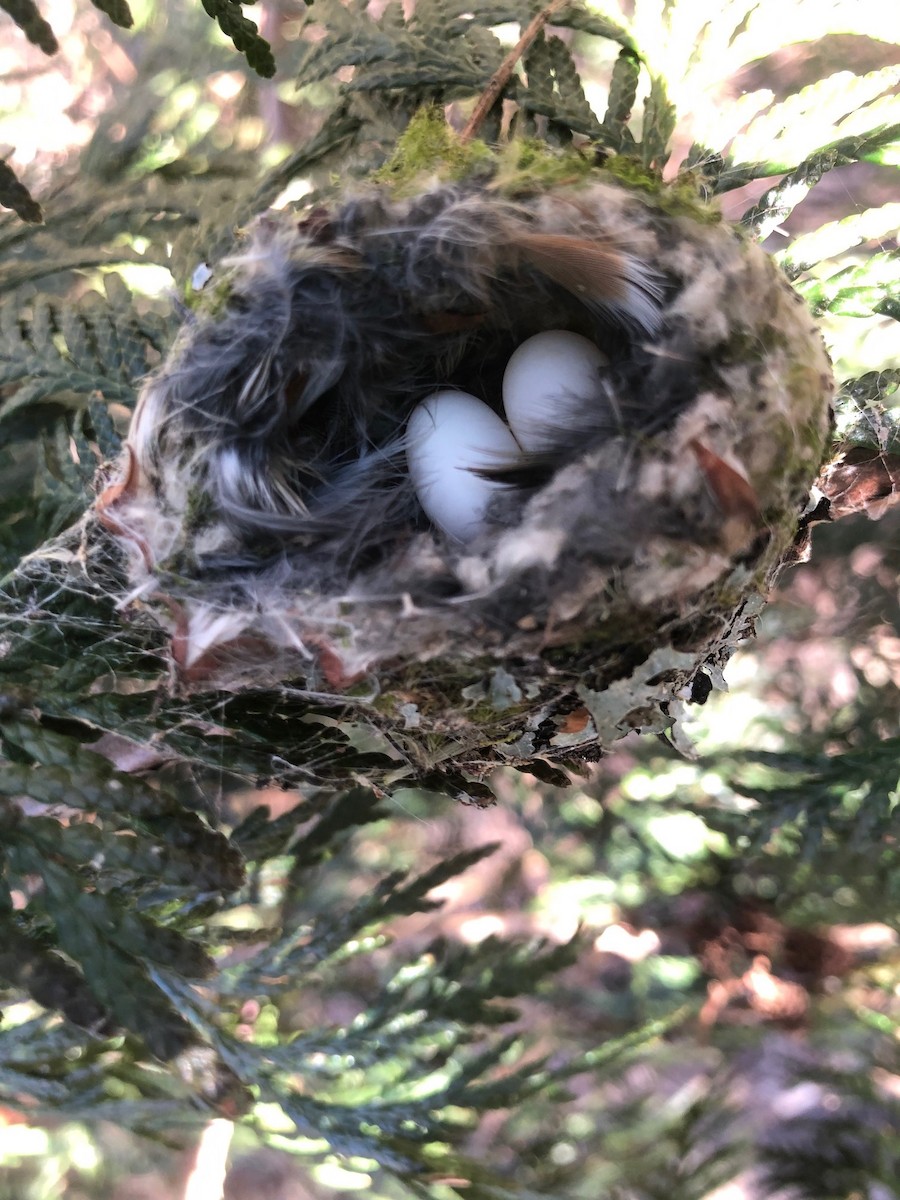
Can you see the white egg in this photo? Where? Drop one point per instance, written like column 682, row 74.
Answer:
column 548, row 381
column 450, row 435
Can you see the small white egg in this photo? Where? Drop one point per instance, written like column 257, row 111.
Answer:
column 548, row 381
column 450, row 435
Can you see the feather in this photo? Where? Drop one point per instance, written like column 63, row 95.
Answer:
column 601, row 274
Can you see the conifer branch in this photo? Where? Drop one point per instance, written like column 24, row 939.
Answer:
column 503, row 74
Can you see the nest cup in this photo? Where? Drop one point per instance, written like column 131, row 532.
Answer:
column 270, row 523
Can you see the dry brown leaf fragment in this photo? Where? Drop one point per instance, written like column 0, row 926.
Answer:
column 861, row 479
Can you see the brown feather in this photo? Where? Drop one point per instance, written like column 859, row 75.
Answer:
column 450, row 322
column 735, row 495
column 733, row 491
column 594, row 270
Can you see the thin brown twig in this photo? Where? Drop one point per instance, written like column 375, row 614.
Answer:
column 503, row 74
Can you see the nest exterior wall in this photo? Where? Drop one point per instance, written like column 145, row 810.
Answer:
column 592, row 601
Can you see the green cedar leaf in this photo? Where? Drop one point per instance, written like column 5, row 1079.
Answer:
column 18, row 1083
column 874, row 388
column 114, row 852
column 579, row 16
column 63, row 485
column 538, row 95
column 435, row 63
column 854, row 148
column 617, row 1049
column 46, row 976
column 108, row 438
column 42, row 746
column 622, row 93
column 117, row 11
column 202, row 732
column 779, row 202
column 441, row 14
column 69, row 354
column 78, row 783
column 554, row 88
column 37, row 1039
column 835, row 237
column 352, row 40
column 792, row 129
column 346, row 812
column 298, row 951
column 26, row 15
column 244, row 33
column 173, row 844
column 574, row 109
column 108, row 943
column 412, row 897
column 869, row 287
column 334, row 138
column 16, row 196
column 887, row 155
column 14, row 275
column 822, row 794
column 659, row 125
column 445, row 49
column 761, row 33
column 865, row 413
column 499, row 968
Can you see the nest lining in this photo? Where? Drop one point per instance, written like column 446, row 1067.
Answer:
column 266, row 508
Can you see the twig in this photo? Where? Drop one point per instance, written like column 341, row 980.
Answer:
column 503, row 74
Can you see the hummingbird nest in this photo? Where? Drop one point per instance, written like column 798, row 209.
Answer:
column 270, row 522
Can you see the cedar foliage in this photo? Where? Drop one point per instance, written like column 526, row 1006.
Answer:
column 140, row 914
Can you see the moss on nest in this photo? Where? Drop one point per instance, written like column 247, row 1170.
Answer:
column 528, row 166
column 680, row 197
column 428, row 147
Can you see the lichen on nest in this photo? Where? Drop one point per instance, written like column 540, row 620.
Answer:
column 268, row 515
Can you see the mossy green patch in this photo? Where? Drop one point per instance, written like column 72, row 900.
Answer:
column 212, row 301
column 199, row 511
column 528, row 165
column 681, row 197
column 634, row 173
column 750, row 345
column 429, row 147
